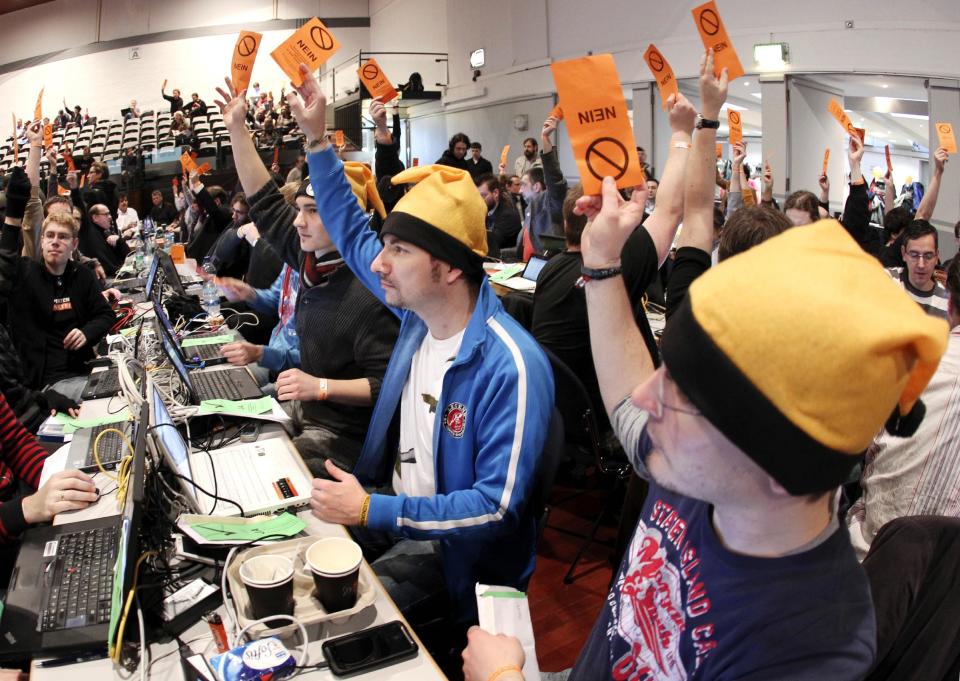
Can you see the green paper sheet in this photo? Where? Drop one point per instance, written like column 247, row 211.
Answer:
column 509, row 271
column 241, row 529
column 252, row 407
column 208, row 340
column 71, row 425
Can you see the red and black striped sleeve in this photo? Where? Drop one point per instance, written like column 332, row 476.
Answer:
column 24, row 457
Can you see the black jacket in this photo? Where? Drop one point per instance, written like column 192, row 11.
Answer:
column 448, row 159
column 29, row 289
column 504, row 222
column 218, row 219
column 479, row 168
column 176, row 103
column 93, row 240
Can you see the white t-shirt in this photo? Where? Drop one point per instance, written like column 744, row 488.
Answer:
column 124, row 220
column 413, row 474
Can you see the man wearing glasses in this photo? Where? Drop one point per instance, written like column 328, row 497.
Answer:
column 921, row 255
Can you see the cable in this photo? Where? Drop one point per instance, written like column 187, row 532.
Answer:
column 122, row 476
column 121, row 627
column 209, row 494
column 144, row 646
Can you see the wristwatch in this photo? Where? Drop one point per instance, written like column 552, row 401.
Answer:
column 706, row 123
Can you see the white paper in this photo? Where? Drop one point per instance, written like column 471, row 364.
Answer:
column 509, row 614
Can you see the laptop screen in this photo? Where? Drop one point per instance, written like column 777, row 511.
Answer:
column 532, row 270
column 167, row 434
column 152, row 277
column 174, row 355
column 170, row 271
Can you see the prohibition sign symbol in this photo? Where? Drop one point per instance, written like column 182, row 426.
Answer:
column 735, row 117
column 612, row 152
column 322, row 38
column 709, row 22
column 656, row 61
column 944, row 128
column 370, row 71
column 247, row 45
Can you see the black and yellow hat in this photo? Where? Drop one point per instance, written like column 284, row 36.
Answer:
column 364, row 186
column 444, row 215
column 799, row 350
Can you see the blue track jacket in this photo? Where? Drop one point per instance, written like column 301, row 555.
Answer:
column 487, row 465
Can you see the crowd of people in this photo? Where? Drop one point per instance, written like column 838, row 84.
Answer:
column 795, row 423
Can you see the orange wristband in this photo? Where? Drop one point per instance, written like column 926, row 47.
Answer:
column 505, row 670
column 323, row 390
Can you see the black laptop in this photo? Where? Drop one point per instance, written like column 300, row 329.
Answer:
column 106, row 383
column 218, row 384
column 62, row 586
column 208, row 354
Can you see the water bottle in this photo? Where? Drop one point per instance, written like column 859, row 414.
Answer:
column 139, row 256
column 210, row 296
column 168, row 237
column 148, row 236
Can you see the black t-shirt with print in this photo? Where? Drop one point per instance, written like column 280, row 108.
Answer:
column 63, row 318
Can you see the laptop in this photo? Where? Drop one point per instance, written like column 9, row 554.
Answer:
column 170, row 273
column 527, row 281
column 62, row 585
column 111, row 447
column 106, row 383
column 231, row 384
column 207, row 354
column 150, row 283
column 261, row 476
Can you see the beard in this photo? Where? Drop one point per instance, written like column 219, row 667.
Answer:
column 529, row 153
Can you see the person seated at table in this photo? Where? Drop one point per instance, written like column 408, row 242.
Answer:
column 23, row 500
column 470, row 388
column 345, row 334
column 55, row 306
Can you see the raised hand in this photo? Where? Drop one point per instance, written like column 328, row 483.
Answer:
column 682, row 114
column 611, row 220
column 940, row 158
column 308, row 105
column 713, row 90
column 232, row 105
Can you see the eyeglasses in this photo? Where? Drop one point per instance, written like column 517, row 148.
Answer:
column 662, row 403
column 915, row 256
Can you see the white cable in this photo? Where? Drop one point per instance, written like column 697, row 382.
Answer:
column 304, row 656
column 144, row 646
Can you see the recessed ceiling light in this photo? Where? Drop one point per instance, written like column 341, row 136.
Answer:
column 757, row 95
column 746, row 83
column 884, row 86
column 919, row 117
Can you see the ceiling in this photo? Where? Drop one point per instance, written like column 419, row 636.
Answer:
column 7, row 6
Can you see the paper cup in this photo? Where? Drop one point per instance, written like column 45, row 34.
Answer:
column 334, row 563
column 269, row 583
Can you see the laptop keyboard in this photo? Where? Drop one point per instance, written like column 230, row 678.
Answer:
column 111, row 445
column 78, row 594
column 205, row 352
column 102, row 383
column 216, row 384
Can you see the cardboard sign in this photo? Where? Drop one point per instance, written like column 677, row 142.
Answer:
column 826, row 160
column 886, row 152
column 736, row 127
column 749, row 198
column 203, row 170
column 312, row 44
column 68, row 157
column 244, row 55
column 842, row 118
column 714, row 35
column 719, row 150
column 947, row 139
column 662, row 73
column 338, row 138
column 503, row 155
column 48, row 135
column 376, row 81
column 38, row 109
column 187, row 163
column 276, row 154
column 557, row 113
column 600, row 130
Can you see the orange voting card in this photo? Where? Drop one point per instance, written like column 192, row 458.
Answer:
column 244, row 55
column 861, row 133
column 68, row 157
column 886, row 152
column 338, row 138
column 312, row 44
column 557, row 113
column 826, row 161
column 600, row 131
column 16, row 143
column 842, row 118
column 416, row 161
column 660, row 68
column 736, row 127
column 187, row 163
column 48, row 135
column 503, row 155
column 204, row 169
column 276, row 154
column 719, row 150
column 38, row 109
column 376, row 81
column 714, row 35
column 176, row 183
column 946, row 137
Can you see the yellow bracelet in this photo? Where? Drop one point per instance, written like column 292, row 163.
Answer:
column 364, row 511
column 505, row 670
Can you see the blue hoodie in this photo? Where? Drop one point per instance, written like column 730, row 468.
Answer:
column 491, row 423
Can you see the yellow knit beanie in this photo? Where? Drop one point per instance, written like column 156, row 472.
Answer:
column 364, row 186
column 799, row 350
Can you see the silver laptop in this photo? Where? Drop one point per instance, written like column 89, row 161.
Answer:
column 261, row 476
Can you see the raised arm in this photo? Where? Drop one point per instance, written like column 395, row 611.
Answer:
column 251, row 171
column 701, row 166
column 929, row 201
column 734, row 194
column 662, row 224
column 889, row 193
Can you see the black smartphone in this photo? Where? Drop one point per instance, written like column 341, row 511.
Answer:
column 372, row 648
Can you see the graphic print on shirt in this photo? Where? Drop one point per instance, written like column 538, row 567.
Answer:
column 656, row 603
column 455, row 419
column 62, row 304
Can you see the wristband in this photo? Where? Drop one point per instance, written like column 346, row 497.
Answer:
column 316, row 145
column 364, row 511
column 323, row 390
column 505, row 670
column 590, row 274
column 680, row 145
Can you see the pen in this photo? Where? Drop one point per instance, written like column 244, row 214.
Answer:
column 61, row 661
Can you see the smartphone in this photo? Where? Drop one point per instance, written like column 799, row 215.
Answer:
column 372, row 648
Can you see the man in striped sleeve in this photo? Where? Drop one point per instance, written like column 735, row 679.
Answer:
column 472, row 389
column 920, row 253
